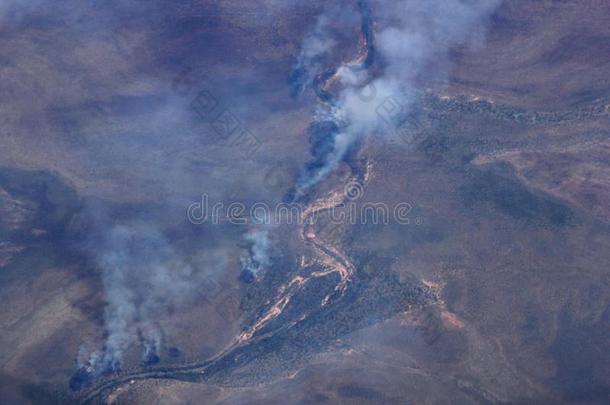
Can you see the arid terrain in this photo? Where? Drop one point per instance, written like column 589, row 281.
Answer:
column 492, row 288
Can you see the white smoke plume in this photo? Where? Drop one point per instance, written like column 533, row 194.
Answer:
column 309, row 63
column 410, row 37
column 144, row 278
column 258, row 256
column 319, row 44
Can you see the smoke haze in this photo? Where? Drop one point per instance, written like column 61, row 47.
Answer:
column 410, row 37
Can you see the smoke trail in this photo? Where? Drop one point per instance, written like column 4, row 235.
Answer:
column 410, row 37
column 318, row 46
column 144, row 278
column 258, row 257
column 309, row 63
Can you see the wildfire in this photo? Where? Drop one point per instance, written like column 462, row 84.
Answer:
column 332, row 259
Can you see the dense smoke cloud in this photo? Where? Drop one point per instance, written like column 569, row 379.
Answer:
column 410, row 36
